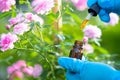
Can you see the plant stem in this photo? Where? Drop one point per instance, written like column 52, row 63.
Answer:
column 52, row 69
column 40, row 33
column 29, row 5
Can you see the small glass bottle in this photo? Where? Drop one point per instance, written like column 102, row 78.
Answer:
column 77, row 50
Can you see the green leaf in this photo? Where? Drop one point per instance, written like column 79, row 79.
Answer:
column 75, row 17
column 5, row 14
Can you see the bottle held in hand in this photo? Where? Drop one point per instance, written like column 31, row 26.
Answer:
column 77, row 50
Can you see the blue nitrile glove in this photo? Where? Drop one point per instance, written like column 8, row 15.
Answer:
column 107, row 6
column 85, row 70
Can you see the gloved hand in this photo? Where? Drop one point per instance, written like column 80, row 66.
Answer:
column 85, row 70
column 107, row 6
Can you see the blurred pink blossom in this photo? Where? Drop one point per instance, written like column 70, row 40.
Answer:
column 17, row 74
column 13, row 21
column 80, row 4
column 114, row 19
column 29, row 16
column 10, row 69
column 8, row 27
column 91, row 31
column 21, row 28
column 7, row 41
column 32, row 17
column 19, row 64
column 20, row 67
column 88, row 48
column 16, row 66
column 5, row 5
column 19, row 18
column 37, row 70
column 85, row 39
column 36, row 18
column 28, row 70
column 42, row 6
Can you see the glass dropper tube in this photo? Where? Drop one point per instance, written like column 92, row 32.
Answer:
column 86, row 21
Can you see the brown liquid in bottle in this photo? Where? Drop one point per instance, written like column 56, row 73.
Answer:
column 84, row 24
column 77, row 50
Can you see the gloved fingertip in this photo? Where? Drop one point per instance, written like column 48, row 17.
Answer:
column 91, row 2
column 104, row 16
column 71, row 64
column 62, row 61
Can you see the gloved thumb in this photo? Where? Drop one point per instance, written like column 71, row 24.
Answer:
column 71, row 64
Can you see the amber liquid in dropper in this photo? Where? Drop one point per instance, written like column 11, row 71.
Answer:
column 86, row 21
column 84, row 24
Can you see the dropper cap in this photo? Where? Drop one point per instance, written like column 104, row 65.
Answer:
column 94, row 10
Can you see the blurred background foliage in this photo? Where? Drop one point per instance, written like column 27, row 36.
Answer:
column 47, row 51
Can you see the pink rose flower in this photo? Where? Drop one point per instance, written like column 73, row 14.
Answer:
column 13, row 21
column 42, row 6
column 35, row 18
column 10, row 69
column 29, row 16
column 28, row 70
column 19, row 18
column 17, row 74
column 21, row 28
column 85, row 39
column 19, row 64
column 5, row 5
column 8, row 27
column 91, row 31
column 114, row 19
column 20, row 67
column 37, row 70
column 7, row 41
column 80, row 4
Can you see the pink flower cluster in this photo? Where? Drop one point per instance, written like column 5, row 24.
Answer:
column 20, row 25
column 18, row 69
column 7, row 41
column 5, row 5
column 42, row 6
column 80, row 4
column 92, row 32
column 21, row 21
